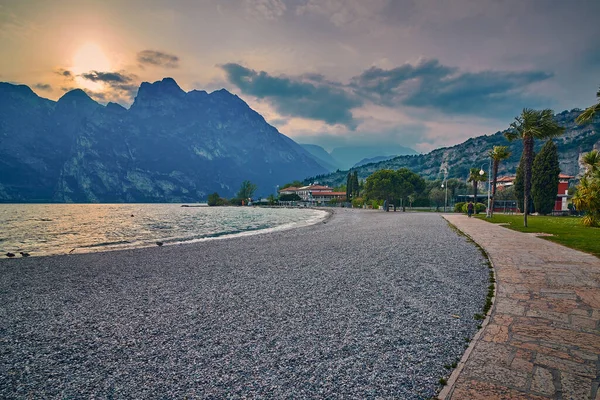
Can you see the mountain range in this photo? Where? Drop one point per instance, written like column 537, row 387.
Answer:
column 347, row 157
column 169, row 146
column 459, row 159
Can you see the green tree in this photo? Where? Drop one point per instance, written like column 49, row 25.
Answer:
column 475, row 177
column 589, row 113
column 544, row 178
column 498, row 153
column 349, row 188
column 246, row 191
column 437, row 196
column 214, row 199
column 531, row 125
column 289, row 197
column 587, row 197
column 380, row 185
column 355, row 185
column 408, row 183
column 292, row 184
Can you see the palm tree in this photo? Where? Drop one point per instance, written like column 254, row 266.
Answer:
column 498, row 153
column 589, row 113
column 591, row 161
column 475, row 177
column 531, row 125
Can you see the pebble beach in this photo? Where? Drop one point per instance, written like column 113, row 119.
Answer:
column 364, row 304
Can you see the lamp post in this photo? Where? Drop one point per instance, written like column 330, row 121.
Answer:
column 482, row 172
column 445, row 185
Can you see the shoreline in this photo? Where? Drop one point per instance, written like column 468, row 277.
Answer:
column 359, row 306
column 169, row 241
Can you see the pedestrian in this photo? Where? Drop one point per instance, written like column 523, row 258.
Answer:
column 470, row 208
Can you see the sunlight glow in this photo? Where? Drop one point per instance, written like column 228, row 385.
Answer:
column 89, row 57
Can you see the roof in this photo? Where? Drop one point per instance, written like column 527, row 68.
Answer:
column 331, row 193
column 563, row 176
column 315, row 187
column 506, row 179
column 288, row 189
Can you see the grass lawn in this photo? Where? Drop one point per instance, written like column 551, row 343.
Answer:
column 567, row 231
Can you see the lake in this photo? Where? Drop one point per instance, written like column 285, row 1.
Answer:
column 47, row 229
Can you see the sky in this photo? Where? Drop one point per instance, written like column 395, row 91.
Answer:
column 418, row 73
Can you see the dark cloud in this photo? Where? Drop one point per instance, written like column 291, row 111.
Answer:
column 315, row 99
column 43, row 86
column 65, row 73
column 433, row 85
column 119, row 86
column 108, row 77
column 158, row 59
column 428, row 85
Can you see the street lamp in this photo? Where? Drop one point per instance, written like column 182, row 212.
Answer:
column 445, row 185
column 481, row 172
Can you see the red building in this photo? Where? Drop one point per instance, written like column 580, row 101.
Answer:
column 560, row 204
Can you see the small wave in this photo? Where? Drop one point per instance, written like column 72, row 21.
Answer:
column 106, row 244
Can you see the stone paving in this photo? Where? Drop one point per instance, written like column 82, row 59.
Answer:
column 542, row 339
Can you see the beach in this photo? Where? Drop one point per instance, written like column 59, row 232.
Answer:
column 364, row 304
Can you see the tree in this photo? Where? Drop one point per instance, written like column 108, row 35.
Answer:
column 290, row 197
column 214, row 199
column 437, row 196
column 349, row 183
column 380, row 184
column 246, row 191
column 589, row 113
column 531, row 125
column 293, row 184
column 475, row 178
column 390, row 185
column 355, row 185
column 544, row 178
column 587, row 197
column 497, row 154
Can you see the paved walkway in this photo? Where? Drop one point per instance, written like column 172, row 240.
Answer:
column 543, row 337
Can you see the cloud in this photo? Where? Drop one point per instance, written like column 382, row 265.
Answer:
column 303, row 97
column 424, row 87
column 107, row 77
column 265, row 9
column 65, row 73
column 43, row 86
column 119, row 87
column 430, row 84
column 157, row 59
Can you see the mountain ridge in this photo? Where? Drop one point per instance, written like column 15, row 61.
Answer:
column 169, row 146
column 472, row 153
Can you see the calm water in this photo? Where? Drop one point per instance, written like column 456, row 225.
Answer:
column 43, row 229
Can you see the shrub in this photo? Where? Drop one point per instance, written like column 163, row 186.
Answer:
column 458, row 207
column 479, row 207
column 358, row 202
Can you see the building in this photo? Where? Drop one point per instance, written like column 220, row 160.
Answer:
column 562, row 196
column 317, row 194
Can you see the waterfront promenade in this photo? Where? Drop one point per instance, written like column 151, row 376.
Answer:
column 542, row 340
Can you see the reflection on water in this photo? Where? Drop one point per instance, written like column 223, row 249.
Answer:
column 43, row 229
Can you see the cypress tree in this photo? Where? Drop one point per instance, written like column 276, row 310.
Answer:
column 355, row 185
column 348, row 186
column 544, row 179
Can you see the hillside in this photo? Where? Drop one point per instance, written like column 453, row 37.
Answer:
column 170, row 146
column 473, row 153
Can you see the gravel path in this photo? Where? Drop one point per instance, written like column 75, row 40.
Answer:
column 358, row 307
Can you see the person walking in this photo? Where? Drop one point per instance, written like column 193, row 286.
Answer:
column 470, row 208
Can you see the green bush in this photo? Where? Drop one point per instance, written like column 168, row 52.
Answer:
column 458, row 207
column 358, row 202
column 479, row 207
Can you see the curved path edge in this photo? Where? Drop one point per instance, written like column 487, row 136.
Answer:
column 542, row 337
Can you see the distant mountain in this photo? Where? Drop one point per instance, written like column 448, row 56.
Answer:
column 169, row 146
column 321, row 156
column 348, row 156
column 578, row 139
column 366, row 161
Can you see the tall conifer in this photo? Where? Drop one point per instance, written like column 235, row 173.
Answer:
column 544, row 178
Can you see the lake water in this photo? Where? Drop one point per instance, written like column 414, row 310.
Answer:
column 45, row 229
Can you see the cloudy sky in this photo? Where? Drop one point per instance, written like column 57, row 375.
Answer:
column 419, row 73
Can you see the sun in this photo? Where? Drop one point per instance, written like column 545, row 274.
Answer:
column 89, row 57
